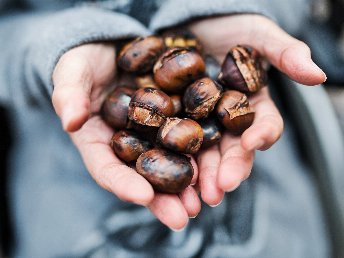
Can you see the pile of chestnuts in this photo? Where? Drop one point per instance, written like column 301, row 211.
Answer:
column 170, row 105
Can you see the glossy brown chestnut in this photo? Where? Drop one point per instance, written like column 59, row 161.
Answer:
column 115, row 107
column 201, row 97
column 128, row 146
column 146, row 81
column 177, row 104
column 242, row 70
column 211, row 132
column 166, row 171
column 180, row 135
column 150, row 107
column 234, row 112
column 177, row 68
column 140, row 55
column 213, row 67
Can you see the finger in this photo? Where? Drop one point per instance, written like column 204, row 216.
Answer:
column 209, row 163
column 72, row 80
column 191, row 202
column 236, row 163
column 106, row 169
column 195, row 170
column 169, row 209
column 288, row 54
column 267, row 126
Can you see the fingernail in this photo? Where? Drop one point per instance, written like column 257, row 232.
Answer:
column 325, row 77
column 178, row 230
column 319, row 69
column 247, row 176
column 214, row 205
column 193, row 216
column 233, row 188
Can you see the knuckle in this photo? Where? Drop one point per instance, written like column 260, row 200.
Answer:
column 72, row 70
column 235, row 153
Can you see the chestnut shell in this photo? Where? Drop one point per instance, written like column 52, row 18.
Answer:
column 145, row 81
column 201, row 97
column 140, row 55
column 166, row 171
column 115, row 107
column 177, row 68
column 177, row 104
column 150, row 107
column 234, row 112
column 128, row 146
column 181, row 37
column 242, row 70
column 212, row 132
column 213, row 67
column 181, row 135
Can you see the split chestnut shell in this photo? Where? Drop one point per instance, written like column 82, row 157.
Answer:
column 181, row 134
column 201, row 97
column 242, row 70
column 234, row 112
column 150, row 107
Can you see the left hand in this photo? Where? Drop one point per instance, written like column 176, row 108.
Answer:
column 223, row 167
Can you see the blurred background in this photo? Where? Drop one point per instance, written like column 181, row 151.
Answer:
column 324, row 34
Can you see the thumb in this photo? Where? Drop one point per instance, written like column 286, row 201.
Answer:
column 72, row 80
column 289, row 55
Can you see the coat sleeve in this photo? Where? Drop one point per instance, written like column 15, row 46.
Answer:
column 288, row 14
column 32, row 43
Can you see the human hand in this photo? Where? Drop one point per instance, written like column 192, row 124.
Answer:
column 223, row 167
column 80, row 80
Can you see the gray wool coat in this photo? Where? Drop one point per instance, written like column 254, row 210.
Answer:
column 56, row 208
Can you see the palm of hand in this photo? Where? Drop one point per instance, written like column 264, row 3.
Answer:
column 223, row 167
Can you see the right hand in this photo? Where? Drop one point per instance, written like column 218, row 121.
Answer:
column 222, row 168
column 80, row 79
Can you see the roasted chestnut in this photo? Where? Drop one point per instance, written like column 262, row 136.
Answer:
column 181, row 38
column 242, row 70
column 177, row 104
column 125, row 79
column 177, row 68
column 166, row 171
column 115, row 107
column 140, row 55
column 234, row 112
column 211, row 132
column 146, row 81
column 150, row 107
column 181, row 135
column 201, row 97
column 128, row 146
